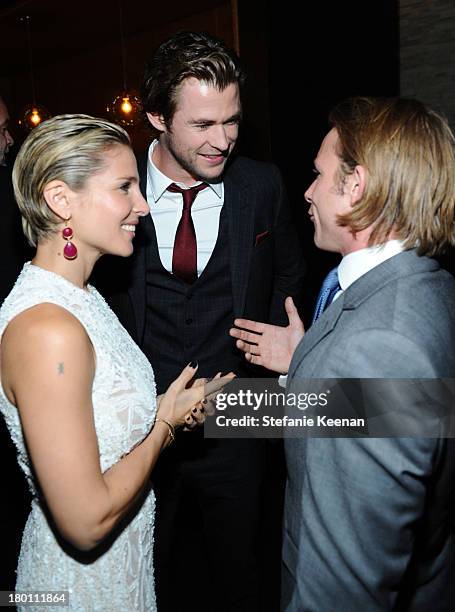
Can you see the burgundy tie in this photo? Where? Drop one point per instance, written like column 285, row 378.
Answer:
column 184, row 257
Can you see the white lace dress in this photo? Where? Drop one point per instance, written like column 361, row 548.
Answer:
column 124, row 405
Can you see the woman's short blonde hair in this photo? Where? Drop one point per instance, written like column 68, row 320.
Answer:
column 408, row 152
column 69, row 148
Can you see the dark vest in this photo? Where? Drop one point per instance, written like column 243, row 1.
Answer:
column 190, row 323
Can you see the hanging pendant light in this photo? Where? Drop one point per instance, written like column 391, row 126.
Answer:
column 32, row 114
column 125, row 108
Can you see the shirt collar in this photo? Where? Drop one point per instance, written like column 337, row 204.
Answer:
column 354, row 265
column 159, row 182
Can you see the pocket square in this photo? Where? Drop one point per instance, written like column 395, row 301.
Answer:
column 260, row 237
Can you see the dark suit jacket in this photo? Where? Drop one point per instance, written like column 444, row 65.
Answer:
column 369, row 522
column 265, row 255
column 13, row 246
column 14, row 510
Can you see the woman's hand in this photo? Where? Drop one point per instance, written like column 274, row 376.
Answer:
column 177, row 403
column 205, row 408
column 182, row 404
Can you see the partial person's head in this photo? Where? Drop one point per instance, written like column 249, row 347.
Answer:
column 78, row 169
column 6, row 140
column 191, row 95
column 385, row 171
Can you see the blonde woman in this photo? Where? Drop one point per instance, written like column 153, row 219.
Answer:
column 77, row 394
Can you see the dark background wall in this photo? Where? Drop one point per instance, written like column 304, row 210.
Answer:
column 427, row 49
column 334, row 50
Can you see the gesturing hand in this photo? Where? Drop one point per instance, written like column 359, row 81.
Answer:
column 270, row 346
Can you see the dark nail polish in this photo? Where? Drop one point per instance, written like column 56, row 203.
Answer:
column 193, row 364
column 204, row 401
column 194, row 410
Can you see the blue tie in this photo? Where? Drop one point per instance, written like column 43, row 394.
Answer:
column 329, row 288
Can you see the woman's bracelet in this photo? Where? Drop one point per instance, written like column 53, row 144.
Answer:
column 170, row 427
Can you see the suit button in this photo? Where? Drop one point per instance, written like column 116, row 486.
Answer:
column 188, row 321
column 189, row 296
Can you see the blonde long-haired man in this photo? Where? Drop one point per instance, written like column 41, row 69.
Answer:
column 368, row 521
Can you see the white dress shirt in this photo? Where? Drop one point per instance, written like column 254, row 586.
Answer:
column 166, row 210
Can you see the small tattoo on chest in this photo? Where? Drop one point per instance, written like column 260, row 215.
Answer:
column 61, row 368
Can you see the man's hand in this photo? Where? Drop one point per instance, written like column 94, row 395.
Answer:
column 270, row 346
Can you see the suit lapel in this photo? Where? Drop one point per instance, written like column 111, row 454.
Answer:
column 239, row 209
column 316, row 333
column 403, row 264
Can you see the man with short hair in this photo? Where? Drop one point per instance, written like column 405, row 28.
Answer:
column 12, row 256
column 369, row 521
column 13, row 248
column 218, row 244
column 6, row 140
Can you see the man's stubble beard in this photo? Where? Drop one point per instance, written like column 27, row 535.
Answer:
column 192, row 169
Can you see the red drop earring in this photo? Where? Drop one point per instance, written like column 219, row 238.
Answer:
column 70, row 250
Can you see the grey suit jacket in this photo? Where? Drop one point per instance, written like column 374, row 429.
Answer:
column 369, row 522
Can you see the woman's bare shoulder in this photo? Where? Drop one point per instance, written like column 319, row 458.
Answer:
column 49, row 323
